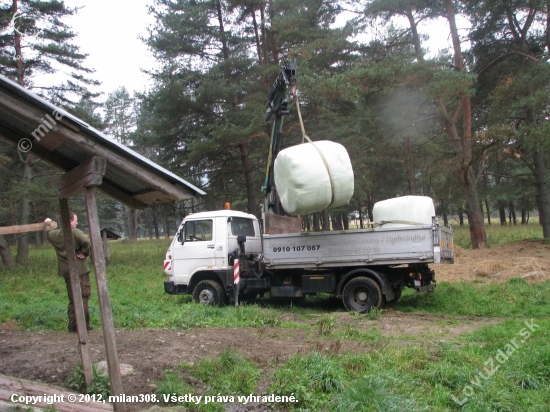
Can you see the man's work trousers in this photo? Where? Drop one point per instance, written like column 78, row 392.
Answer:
column 86, row 292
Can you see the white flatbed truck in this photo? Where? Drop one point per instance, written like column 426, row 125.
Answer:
column 366, row 267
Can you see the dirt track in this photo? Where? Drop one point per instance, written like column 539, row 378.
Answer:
column 529, row 259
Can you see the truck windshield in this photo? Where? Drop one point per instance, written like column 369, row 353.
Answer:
column 241, row 226
column 198, row 230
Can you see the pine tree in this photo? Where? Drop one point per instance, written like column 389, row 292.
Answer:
column 120, row 122
column 511, row 44
column 33, row 41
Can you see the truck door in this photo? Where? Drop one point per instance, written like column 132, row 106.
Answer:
column 197, row 250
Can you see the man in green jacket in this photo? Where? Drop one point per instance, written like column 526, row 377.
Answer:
column 82, row 249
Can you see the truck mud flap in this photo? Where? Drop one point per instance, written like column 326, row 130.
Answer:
column 286, row 291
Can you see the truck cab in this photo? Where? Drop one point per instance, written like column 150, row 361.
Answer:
column 198, row 259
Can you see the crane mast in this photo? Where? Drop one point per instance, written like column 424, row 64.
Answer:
column 277, row 109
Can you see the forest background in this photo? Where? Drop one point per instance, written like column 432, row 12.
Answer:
column 467, row 126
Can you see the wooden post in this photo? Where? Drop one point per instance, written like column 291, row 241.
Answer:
column 104, row 299
column 77, row 294
column 85, row 178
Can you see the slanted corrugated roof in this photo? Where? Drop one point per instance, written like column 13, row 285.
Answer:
column 65, row 141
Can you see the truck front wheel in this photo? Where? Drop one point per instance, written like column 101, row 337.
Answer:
column 361, row 294
column 209, row 292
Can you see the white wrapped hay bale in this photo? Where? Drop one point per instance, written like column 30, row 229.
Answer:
column 313, row 176
column 406, row 210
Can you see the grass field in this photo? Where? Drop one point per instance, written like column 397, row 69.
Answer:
column 497, row 234
column 501, row 367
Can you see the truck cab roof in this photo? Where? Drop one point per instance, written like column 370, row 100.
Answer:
column 220, row 213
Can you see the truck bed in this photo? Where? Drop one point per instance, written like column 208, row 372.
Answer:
column 378, row 246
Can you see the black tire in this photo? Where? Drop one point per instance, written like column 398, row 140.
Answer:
column 362, row 294
column 209, row 292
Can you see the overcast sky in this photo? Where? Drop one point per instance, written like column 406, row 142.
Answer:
column 108, row 32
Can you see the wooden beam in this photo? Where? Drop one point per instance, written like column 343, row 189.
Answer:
column 121, row 196
column 86, row 175
column 11, row 230
column 60, row 162
column 49, row 156
column 104, row 299
column 35, row 116
column 77, row 294
column 152, row 197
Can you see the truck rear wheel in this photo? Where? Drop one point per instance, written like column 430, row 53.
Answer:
column 361, row 294
column 209, row 292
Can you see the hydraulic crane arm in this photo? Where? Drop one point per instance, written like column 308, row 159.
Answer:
column 277, row 108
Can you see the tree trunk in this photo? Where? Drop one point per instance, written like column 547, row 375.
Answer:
column 360, row 218
column 274, row 34
column 461, row 218
column 249, row 181
column 316, row 226
column 307, row 222
column 22, row 257
column 135, row 215
column 488, row 212
column 443, row 211
column 369, row 208
column 410, row 167
column 19, row 72
column 156, row 225
column 326, row 220
column 256, row 35
column 337, row 222
column 165, row 226
column 512, row 214
column 502, row 215
column 264, row 35
column 463, row 145
column 345, row 221
column 125, row 210
column 543, row 193
column 149, row 223
column 5, row 253
column 500, row 204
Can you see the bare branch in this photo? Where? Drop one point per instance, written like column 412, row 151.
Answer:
column 504, row 56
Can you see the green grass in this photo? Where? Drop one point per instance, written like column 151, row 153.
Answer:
column 497, row 234
column 229, row 375
column 515, row 297
column 407, row 372
column 35, row 297
column 480, row 370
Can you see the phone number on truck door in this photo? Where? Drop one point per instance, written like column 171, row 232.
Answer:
column 295, row 248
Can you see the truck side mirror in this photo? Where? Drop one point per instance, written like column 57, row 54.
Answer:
column 179, row 236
